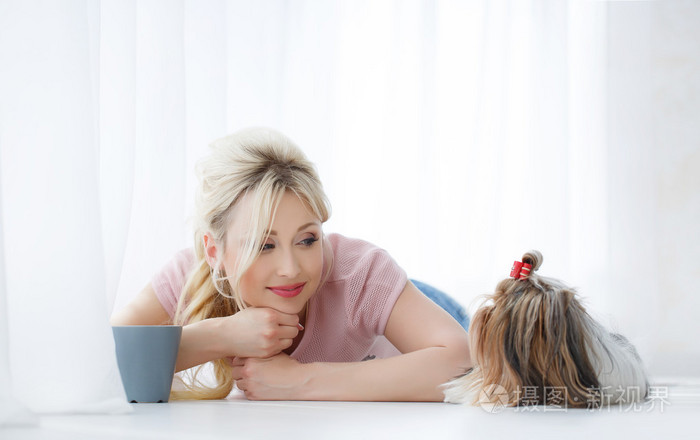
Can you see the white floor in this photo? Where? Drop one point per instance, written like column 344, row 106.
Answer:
column 674, row 412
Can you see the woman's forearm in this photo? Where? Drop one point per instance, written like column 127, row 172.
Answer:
column 435, row 352
column 253, row 332
column 199, row 344
column 415, row 376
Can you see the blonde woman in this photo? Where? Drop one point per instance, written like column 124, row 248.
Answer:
column 284, row 311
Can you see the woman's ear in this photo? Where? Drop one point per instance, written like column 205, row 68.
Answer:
column 210, row 250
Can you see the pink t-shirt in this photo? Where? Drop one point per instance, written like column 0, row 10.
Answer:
column 348, row 314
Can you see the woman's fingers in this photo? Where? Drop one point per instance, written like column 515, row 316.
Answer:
column 242, row 385
column 236, row 361
column 260, row 332
column 286, row 332
column 287, row 319
column 233, row 361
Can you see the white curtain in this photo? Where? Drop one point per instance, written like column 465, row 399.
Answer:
column 11, row 412
column 455, row 134
column 60, row 348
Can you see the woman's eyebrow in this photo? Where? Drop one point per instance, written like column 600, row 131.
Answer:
column 304, row 226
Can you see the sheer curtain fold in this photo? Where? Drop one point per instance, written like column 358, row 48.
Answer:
column 11, row 411
column 60, row 346
column 117, row 121
column 155, row 68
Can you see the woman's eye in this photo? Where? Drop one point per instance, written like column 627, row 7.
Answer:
column 308, row 242
column 267, row 247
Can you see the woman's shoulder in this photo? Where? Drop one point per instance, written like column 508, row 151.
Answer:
column 168, row 282
column 182, row 260
column 349, row 244
column 353, row 255
column 175, row 270
column 348, row 250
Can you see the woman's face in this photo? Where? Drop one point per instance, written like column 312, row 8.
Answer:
column 288, row 270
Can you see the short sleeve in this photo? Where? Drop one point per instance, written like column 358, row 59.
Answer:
column 383, row 285
column 373, row 282
column 169, row 281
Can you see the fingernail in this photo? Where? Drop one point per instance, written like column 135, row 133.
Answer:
column 300, row 327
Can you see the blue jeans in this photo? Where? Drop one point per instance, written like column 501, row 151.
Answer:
column 445, row 301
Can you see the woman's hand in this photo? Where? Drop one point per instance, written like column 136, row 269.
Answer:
column 258, row 332
column 252, row 332
column 276, row 378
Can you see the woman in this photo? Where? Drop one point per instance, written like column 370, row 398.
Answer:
column 283, row 310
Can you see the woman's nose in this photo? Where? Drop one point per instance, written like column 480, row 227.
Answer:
column 288, row 265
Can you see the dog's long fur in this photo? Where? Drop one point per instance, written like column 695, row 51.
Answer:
column 536, row 341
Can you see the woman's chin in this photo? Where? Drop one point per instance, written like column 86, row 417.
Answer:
column 290, row 309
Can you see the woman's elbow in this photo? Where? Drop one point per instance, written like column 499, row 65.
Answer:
column 458, row 354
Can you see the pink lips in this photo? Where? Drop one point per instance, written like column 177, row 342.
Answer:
column 288, row 291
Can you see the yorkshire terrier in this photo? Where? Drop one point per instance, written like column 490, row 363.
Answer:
column 533, row 343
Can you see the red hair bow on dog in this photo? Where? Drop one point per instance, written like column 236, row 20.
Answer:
column 520, row 271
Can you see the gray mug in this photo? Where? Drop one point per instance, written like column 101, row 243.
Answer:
column 146, row 356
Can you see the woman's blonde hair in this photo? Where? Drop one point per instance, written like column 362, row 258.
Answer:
column 260, row 164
